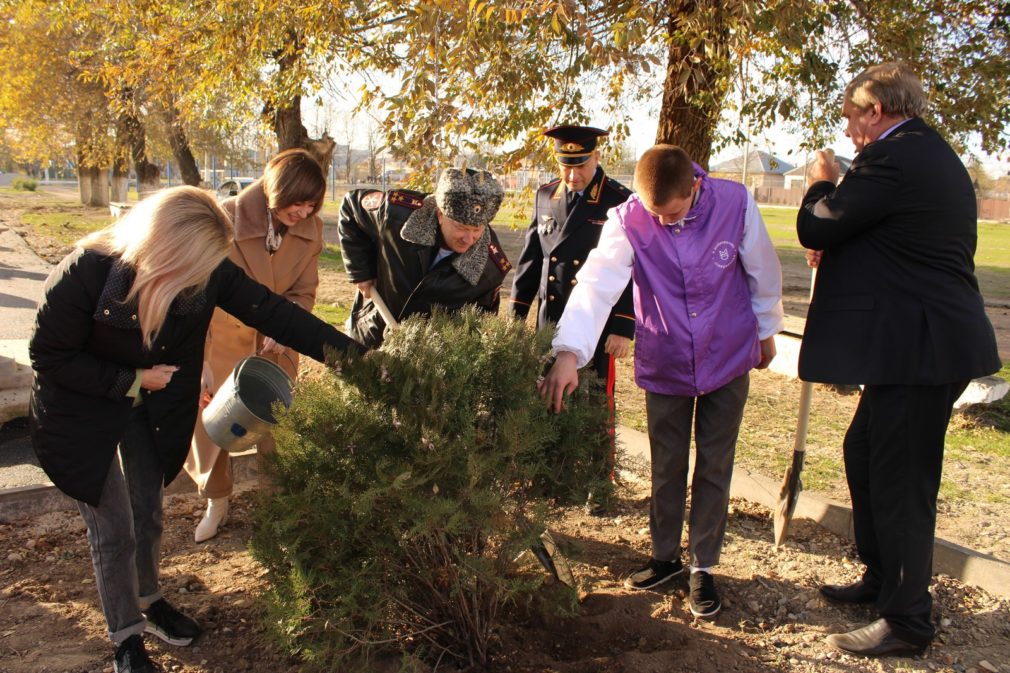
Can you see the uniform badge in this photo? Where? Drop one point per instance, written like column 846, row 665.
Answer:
column 546, row 226
column 371, row 200
column 498, row 257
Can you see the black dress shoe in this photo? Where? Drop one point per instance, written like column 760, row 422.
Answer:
column 857, row 593
column 874, row 640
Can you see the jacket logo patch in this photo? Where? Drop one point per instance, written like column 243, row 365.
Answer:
column 371, row 200
column 724, row 254
column 498, row 257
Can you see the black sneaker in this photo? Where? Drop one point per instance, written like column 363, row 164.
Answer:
column 654, row 574
column 169, row 624
column 705, row 601
column 131, row 657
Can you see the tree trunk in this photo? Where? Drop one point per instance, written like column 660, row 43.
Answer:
column 287, row 117
column 99, row 186
column 120, row 180
column 84, row 184
column 292, row 133
column 693, row 93
column 130, row 133
column 83, row 177
column 180, row 148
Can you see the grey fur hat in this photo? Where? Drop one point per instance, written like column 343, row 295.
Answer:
column 468, row 196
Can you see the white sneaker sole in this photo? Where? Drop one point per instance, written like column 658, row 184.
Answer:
column 159, row 633
column 706, row 615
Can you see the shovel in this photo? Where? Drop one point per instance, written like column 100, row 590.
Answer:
column 791, row 484
column 546, row 551
column 384, row 311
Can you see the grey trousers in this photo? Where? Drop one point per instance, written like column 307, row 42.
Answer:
column 716, row 419
column 124, row 531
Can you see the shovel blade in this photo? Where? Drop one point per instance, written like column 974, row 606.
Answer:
column 788, row 495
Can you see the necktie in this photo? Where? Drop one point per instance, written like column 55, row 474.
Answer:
column 572, row 199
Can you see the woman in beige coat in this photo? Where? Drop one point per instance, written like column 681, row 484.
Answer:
column 278, row 239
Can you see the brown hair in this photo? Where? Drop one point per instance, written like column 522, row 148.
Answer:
column 663, row 172
column 893, row 85
column 173, row 240
column 294, row 176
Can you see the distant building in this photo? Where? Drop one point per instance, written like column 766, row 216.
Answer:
column 763, row 169
column 795, row 179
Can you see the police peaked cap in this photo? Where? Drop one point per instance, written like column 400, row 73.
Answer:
column 573, row 145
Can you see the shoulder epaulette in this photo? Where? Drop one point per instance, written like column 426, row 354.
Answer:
column 617, row 186
column 497, row 255
column 406, row 199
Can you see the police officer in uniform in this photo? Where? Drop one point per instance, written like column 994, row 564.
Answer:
column 568, row 215
column 418, row 251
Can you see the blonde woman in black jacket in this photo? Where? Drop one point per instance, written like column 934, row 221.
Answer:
column 117, row 351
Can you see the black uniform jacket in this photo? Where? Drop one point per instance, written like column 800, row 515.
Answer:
column 896, row 300
column 87, row 344
column 393, row 238
column 556, row 246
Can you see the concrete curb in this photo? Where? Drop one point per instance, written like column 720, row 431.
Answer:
column 961, row 563
column 25, row 502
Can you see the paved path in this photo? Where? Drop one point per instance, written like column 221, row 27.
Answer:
column 22, row 277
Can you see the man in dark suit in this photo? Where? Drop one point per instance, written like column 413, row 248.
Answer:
column 896, row 307
column 568, row 216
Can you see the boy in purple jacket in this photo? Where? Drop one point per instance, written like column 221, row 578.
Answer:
column 708, row 302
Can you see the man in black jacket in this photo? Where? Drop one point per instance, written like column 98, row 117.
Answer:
column 418, row 251
column 568, row 216
column 896, row 307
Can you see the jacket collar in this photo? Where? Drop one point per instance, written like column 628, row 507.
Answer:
column 421, row 228
column 250, row 217
column 113, row 309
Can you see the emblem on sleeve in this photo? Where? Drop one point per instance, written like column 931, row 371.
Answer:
column 371, row 200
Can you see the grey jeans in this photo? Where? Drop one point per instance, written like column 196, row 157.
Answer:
column 716, row 419
column 124, row 531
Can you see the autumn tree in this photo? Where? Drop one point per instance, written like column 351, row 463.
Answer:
column 497, row 71
column 44, row 99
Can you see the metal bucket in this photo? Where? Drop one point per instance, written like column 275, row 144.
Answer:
column 242, row 409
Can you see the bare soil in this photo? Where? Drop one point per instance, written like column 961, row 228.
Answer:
column 772, row 617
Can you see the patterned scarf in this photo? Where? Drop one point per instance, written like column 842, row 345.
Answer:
column 274, row 238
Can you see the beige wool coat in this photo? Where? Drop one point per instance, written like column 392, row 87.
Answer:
column 291, row 272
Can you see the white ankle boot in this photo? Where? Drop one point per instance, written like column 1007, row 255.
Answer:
column 215, row 517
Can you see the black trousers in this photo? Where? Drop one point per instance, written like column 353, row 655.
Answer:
column 893, row 462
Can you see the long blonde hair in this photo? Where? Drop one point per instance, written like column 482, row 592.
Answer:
column 173, row 240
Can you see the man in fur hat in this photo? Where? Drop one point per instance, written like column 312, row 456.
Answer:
column 418, row 251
